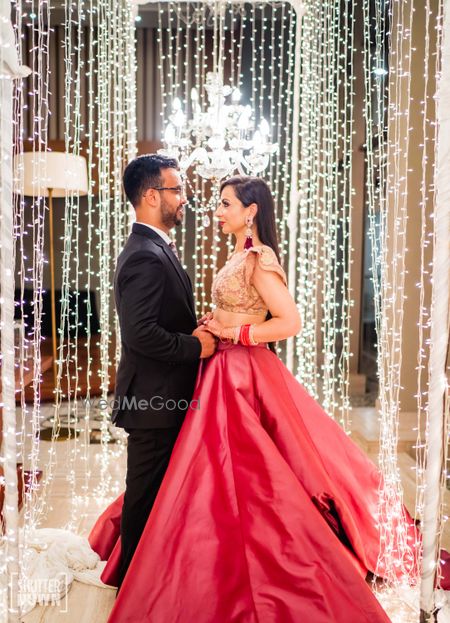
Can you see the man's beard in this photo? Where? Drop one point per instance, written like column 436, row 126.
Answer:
column 169, row 219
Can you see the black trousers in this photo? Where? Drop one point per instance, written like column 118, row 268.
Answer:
column 148, row 455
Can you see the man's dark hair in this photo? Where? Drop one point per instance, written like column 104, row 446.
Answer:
column 144, row 172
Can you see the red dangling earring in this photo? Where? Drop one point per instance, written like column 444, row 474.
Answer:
column 248, row 233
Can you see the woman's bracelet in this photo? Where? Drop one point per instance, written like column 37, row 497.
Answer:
column 229, row 333
column 252, row 340
column 244, row 337
column 241, row 334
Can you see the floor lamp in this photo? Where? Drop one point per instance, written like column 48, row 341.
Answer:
column 52, row 174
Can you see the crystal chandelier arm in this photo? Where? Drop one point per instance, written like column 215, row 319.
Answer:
column 237, row 158
column 199, row 155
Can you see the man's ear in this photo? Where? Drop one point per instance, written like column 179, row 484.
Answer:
column 149, row 198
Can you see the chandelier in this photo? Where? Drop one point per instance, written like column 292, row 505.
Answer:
column 221, row 140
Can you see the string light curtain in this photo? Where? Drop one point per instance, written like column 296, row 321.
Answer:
column 10, row 69
column 103, row 127
column 437, row 412
column 9, row 567
column 293, row 65
column 197, row 38
column 384, row 199
column 30, row 132
column 320, row 219
column 398, row 173
column 100, row 123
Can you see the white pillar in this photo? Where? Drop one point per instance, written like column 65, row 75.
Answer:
column 439, row 331
column 9, row 446
column 9, row 69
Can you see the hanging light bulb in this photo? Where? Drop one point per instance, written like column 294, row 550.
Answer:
column 236, row 96
column 216, row 142
column 257, row 139
column 244, row 121
column 169, row 134
column 264, row 128
column 179, row 118
column 380, row 71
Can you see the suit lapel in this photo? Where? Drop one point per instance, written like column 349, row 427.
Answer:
column 182, row 274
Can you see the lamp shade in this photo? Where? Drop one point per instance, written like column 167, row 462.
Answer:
column 39, row 171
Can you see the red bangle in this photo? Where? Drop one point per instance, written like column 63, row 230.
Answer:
column 244, row 335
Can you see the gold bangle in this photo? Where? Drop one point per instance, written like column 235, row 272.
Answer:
column 253, row 342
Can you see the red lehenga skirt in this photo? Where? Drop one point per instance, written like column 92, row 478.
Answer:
column 267, row 512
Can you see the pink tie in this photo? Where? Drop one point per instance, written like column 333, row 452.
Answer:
column 173, row 246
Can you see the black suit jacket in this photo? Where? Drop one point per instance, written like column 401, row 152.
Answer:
column 159, row 359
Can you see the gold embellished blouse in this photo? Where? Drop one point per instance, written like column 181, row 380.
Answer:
column 232, row 288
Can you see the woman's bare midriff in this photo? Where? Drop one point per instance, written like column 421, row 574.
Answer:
column 233, row 319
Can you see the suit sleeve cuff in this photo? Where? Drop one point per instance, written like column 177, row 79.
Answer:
column 195, row 346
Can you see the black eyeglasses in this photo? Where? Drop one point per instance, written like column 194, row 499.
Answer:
column 178, row 189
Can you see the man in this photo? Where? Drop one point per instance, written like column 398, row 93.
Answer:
column 161, row 344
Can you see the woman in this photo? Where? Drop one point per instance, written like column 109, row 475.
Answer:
column 267, row 510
